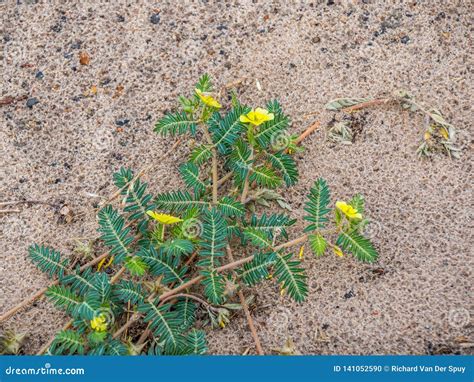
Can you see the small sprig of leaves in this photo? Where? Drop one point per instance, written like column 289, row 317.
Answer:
column 439, row 135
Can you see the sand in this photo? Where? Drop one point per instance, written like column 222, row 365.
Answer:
column 417, row 299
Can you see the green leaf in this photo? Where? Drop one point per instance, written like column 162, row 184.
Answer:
column 214, row 286
column 200, row 154
column 342, row 103
column 318, row 244
column 178, row 201
column 257, row 237
column 204, row 83
column 178, row 247
column 48, row 260
column 190, row 174
column 286, row 165
column 239, row 161
column 230, row 207
column 67, row 342
column 291, row 275
column 269, row 130
column 213, row 239
column 197, row 341
column 265, row 177
column 257, row 270
column 316, row 206
column 63, row 297
column 225, row 131
column 128, row 291
column 162, row 264
column 136, row 200
column 177, row 123
column 186, row 310
column 80, row 281
column 358, row 203
column 358, row 245
column 136, row 266
column 163, row 322
column 114, row 233
column 272, row 225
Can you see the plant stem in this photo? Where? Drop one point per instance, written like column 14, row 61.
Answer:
column 41, row 292
column 377, row 101
column 245, row 307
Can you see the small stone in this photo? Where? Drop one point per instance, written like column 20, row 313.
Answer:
column 405, row 40
column 76, row 45
column 122, row 122
column 316, row 40
column 31, row 102
column 120, row 18
column 39, row 75
column 56, row 28
column 155, row 18
column 349, row 294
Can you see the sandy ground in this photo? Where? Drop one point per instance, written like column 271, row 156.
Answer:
column 416, row 299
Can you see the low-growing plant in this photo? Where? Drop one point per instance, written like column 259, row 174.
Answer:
column 173, row 256
column 438, row 136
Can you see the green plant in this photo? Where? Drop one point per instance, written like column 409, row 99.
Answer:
column 438, row 136
column 172, row 254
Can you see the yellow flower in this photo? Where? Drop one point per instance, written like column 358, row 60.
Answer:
column 257, row 117
column 301, row 254
column 337, row 251
column 99, row 323
column 348, row 210
column 102, row 262
column 207, row 99
column 222, row 324
column 164, row 218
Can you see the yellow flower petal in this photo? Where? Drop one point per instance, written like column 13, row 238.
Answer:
column 348, row 210
column 257, row 117
column 301, row 254
column 207, row 99
column 337, row 251
column 99, row 323
column 164, row 218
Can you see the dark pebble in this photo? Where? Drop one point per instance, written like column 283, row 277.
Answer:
column 76, row 45
column 316, row 40
column 405, row 40
column 39, row 75
column 56, row 28
column 120, row 18
column 31, row 102
column 221, row 27
column 349, row 294
column 67, row 55
column 155, row 18
column 122, row 122
column 330, row 2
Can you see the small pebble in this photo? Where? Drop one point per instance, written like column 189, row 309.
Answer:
column 31, row 102
column 155, row 18
column 39, row 75
column 122, row 122
column 405, row 40
column 76, row 45
column 120, row 18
